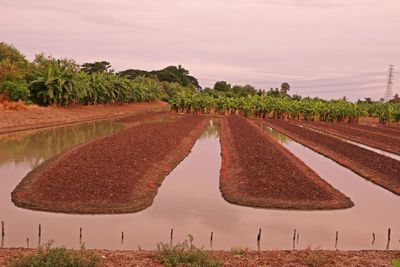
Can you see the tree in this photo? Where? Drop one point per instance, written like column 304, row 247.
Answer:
column 222, row 86
column 96, row 67
column 285, row 87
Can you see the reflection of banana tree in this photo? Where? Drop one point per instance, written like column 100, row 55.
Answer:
column 275, row 134
column 212, row 130
column 44, row 144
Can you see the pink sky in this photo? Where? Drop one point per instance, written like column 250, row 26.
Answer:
column 321, row 47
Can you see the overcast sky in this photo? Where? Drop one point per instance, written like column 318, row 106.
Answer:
column 321, row 47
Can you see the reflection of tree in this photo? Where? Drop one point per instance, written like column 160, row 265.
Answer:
column 211, row 131
column 42, row 145
column 275, row 134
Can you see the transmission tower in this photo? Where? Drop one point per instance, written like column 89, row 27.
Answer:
column 389, row 85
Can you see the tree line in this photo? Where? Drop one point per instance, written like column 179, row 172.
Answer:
column 62, row 82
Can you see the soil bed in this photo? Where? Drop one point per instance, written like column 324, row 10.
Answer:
column 367, row 258
column 382, row 170
column 258, row 171
column 361, row 135
column 35, row 117
column 118, row 173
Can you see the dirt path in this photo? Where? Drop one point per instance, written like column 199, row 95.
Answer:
column 258, row 171
column 118, row 173
column 375, row 167
column 301, row 258
column 34, row 117
column 354, row 133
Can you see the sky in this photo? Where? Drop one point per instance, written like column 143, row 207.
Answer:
column 322, row 48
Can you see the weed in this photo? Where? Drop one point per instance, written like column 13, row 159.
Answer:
column 60, row 257
column 183, row 254
column 396, row 263
column 315, row 260
column 241, row 251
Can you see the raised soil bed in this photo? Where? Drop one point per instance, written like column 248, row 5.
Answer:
column 382, row 170
column 360, row 134
column 257, row 171
column 118, row 173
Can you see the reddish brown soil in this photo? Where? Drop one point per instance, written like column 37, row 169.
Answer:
column 359, row 134
column 115, row 174
column 35, row 117
column 387, row 130
column 258, row 171
column 301, row 258
column 375, row 167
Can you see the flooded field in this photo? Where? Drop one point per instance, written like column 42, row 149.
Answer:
column 190, row 202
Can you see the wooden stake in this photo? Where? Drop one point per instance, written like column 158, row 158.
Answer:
column 336, row 240
column 122, row 237
column 171, row 238
column 259, row 235
column 27, row 242
column 258, row 240
column 388, row 240
column 297, row 241
column 80, row 235
column 3, row 228
column 211, row 239
column 40, row 230
column 389, row 230
column 373, row 238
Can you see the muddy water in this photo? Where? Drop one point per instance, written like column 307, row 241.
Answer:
column 189, row 201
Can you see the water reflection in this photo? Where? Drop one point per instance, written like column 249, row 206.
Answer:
column 33, row 148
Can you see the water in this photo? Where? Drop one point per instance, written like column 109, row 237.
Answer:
column 376, row 150
column 189, row 201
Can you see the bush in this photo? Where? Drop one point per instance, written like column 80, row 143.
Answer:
column 183, row 254
column 60, row 257
column 15, row 90
column 240, row 251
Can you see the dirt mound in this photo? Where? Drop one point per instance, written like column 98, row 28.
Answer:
column 258, row 171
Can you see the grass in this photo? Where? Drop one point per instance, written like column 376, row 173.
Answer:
column 314, row 260
column 240, row 251
column 183, row 254
column 60, row 257
column 396, row 263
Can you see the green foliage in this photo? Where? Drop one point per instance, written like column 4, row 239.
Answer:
column 98, row 66
column 60, row 257
column 15, row 90
column 183, row 254
column 222, row 86
column 240, row 251
column 56, row 82
column 396, row 263
column 171, row 74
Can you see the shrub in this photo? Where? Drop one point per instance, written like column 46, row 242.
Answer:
column 15, row 90
column 241, row 251
column 60, row 257
column 183, row 254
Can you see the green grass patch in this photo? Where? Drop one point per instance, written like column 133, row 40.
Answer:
column 60, row 257
column 183, row 254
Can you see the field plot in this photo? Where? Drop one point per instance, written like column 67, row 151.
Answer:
column 258, row 171
column 377, row 168
column 115, row 174
column 364, row 134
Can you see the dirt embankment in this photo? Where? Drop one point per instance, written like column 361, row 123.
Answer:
column 258, row 171
column 301, row 258
column 35, row 117
column 375, row 167
column 359, row 134
column 118, row 173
